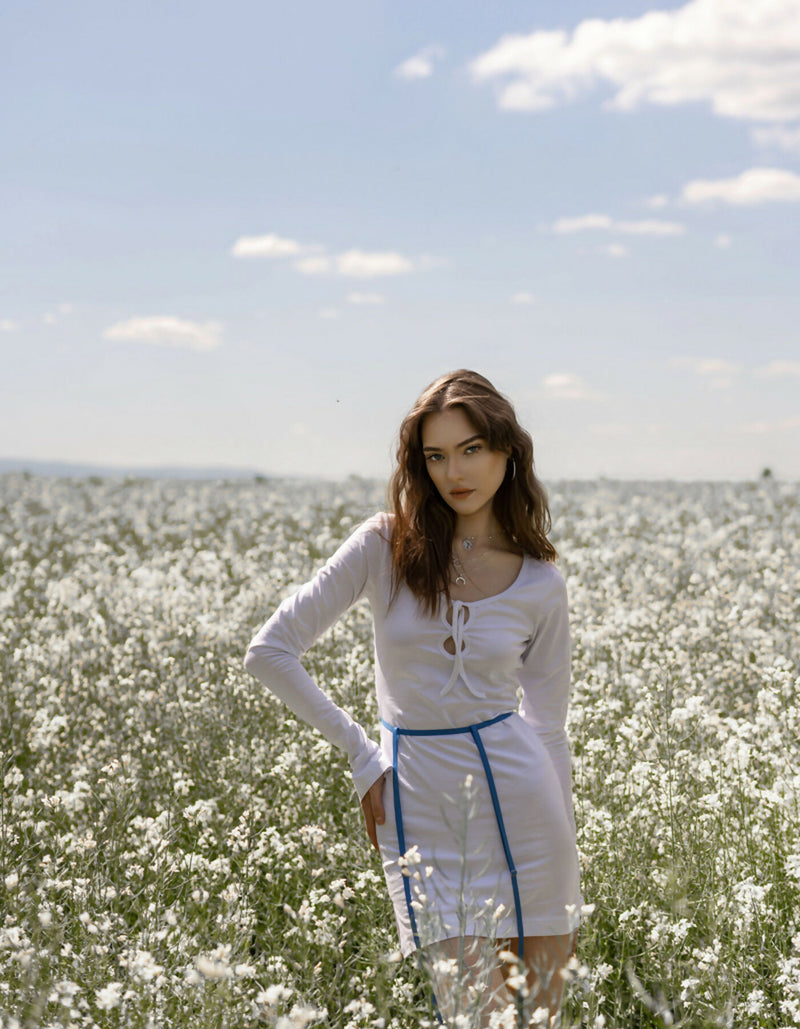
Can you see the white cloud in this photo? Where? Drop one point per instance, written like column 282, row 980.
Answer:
column 657, row 201
column 723, row 241
column 269, row 246
column 361, row 265
column 53, row 317
column 647, row 227
column 782, row 425
column 716, row 372
column 420, row 66
column 353, row 263
column 721, row 374
column 650, row 227
column 581, row 223
column 330, row 313
column 365, row 298
column 566, row 386
column 8, row 325
column 314, row 266
column 166, row 331
column 779, row 370
column 357, row 264
column 740, row 56
column 754, row 186
column 707, row 365
column 613, row 250
column 523, row 298
column 778, row 136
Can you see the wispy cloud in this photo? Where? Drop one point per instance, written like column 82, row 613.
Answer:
column 781, row 425
column 613, row 250
column 523, row 298
column 420, row 65
column 738, row 56
column 362, row 265
column 270, row 245
column 754, row 186
column 330, row 313
column 604, row 222
column 166, row 331
column 357, row 264
column 716, row 372
column 8, row 325
column 567, row 386
column 312, row 259
column 315, row 265
column 721, row 374
column 779, row 370
column 365, row 298
column 778, row 137
column 53, row 317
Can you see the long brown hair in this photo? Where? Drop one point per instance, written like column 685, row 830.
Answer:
column 424, row 524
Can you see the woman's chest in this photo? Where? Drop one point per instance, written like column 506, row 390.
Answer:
column 487, row 634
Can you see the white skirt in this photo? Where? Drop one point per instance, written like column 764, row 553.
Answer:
column 456, row 876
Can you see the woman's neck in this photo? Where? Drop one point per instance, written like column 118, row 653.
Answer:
column 476, row 526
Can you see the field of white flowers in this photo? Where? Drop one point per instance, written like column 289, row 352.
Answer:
column 177, row 851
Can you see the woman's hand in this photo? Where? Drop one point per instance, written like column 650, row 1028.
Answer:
column 372, row 806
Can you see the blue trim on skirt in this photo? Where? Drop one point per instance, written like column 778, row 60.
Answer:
column 474, row 731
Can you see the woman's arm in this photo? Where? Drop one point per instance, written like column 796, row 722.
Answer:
column 545, row 679
column 273, row 656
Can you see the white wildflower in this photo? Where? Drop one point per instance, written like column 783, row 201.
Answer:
column 109, row 996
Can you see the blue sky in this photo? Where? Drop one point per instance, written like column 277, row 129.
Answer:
column 248, row 234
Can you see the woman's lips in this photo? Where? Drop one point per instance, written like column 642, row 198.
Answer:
column 460, row 494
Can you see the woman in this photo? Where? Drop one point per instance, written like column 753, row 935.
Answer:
column 470, row 784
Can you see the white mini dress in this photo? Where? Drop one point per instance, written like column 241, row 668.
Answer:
column 473, row 704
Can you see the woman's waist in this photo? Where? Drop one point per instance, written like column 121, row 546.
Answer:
column 412, row 706
column 450, row 730
column 446, row 719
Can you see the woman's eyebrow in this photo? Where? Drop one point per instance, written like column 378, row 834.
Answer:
column 463, row 443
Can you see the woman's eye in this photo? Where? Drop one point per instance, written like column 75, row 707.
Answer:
column 473, row 448
column 434, row 457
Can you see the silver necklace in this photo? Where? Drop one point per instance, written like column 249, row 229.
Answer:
column 461, row 575
column 468, row 542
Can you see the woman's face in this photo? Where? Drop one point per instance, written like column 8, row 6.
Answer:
column 464, row 470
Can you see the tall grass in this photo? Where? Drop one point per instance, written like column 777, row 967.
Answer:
column 177, row 851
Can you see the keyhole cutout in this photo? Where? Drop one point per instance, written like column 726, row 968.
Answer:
column 450, row 644
column 448, row 617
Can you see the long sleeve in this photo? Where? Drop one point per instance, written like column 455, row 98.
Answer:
column 273, row 656
column 545, row 679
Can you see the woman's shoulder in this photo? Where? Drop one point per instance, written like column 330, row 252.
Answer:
column 381, row 522
column 379, row 525
column 546, row 575
column 374, row 534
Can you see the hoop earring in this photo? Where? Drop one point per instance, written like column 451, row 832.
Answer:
column 513, row 468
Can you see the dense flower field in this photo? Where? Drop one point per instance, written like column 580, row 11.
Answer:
column 176, row 851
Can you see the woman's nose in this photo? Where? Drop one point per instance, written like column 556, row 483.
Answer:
column 453, row 469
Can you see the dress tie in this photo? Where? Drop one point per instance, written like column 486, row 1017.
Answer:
column 460, row 614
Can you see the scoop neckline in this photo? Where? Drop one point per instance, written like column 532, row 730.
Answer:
column 494, row 596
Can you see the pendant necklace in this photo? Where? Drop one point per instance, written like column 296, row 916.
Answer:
column 468, row 542
column 461, row 575
column 461, row 579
